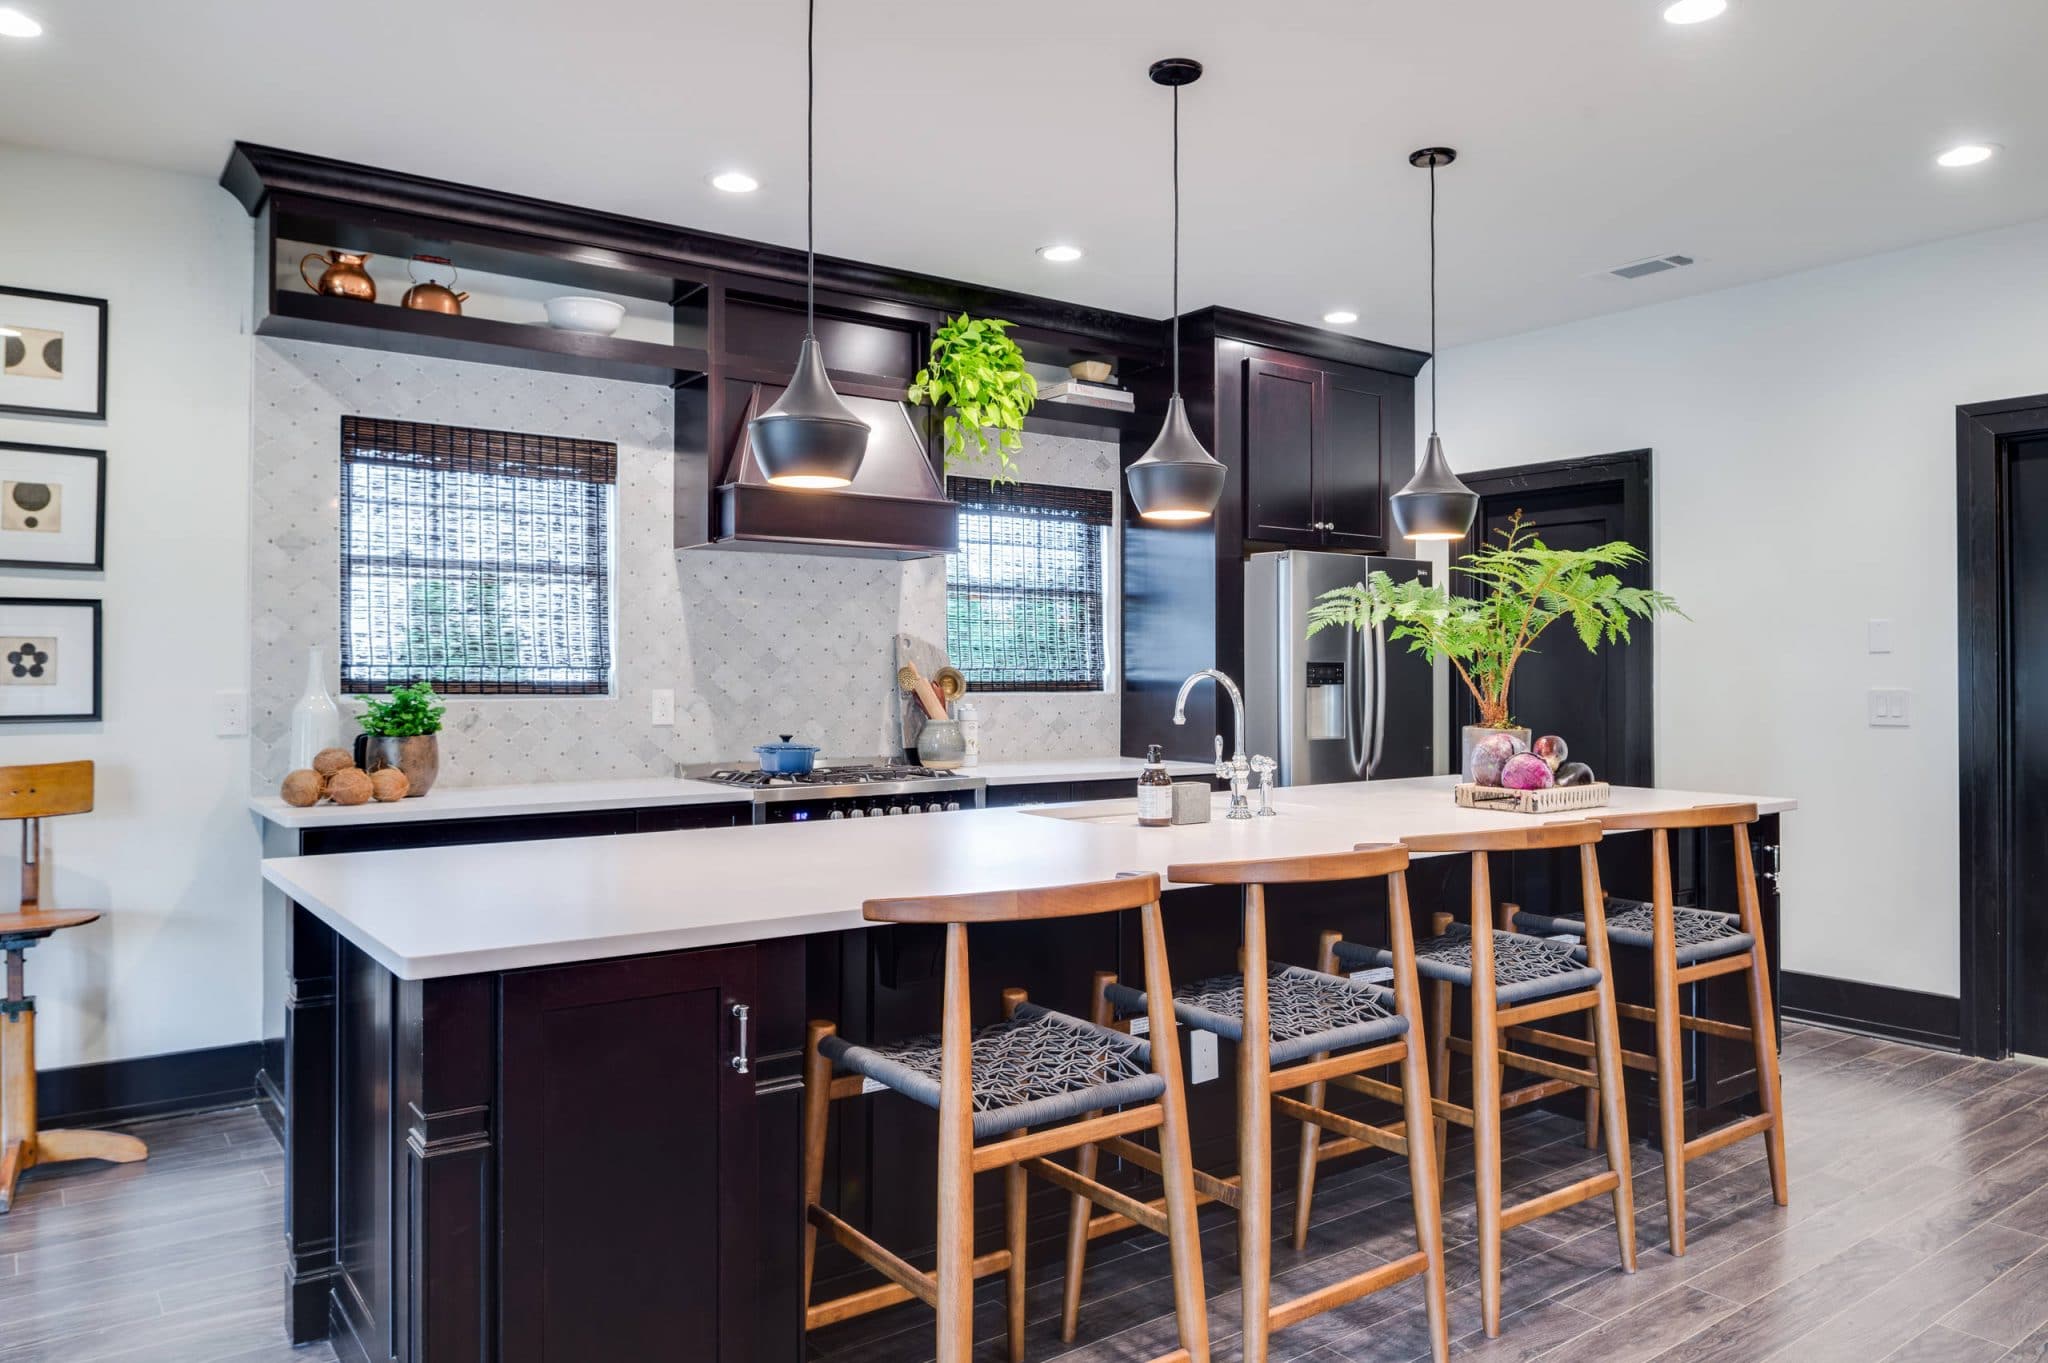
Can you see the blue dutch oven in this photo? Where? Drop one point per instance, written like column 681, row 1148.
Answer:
column 786, row 758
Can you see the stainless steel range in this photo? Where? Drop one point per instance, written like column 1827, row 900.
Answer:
column 867, row 791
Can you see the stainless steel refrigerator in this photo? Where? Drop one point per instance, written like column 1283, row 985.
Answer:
column 1347, row 705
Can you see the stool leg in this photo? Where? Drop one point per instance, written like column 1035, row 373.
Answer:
column 1014, row 1192
column 817, row 1115
column 1593, row 1096
column 1486, row 1098
column 1425, row 1178
column 1311, row 1134
column 1082, row 1210
column 955, row 1260
column 1176, row 1157
column 1440, row 1065
column 17, row 1085
column 1604, row 1023
column 1255, row 1136
column 1762, row 1026
column 1670, row 1060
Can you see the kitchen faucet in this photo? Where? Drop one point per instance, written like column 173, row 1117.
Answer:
column 1239, row 767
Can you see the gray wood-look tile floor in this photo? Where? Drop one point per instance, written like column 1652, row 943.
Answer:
column 1918, row 1230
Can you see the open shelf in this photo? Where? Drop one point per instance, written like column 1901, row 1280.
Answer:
column 1067, row 416
column 386, row 326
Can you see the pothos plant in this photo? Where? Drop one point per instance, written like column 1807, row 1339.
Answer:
column 976, row 376
column 1524, row 587
column 409, row 713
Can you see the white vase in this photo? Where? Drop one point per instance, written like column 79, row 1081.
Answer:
column 316, row 719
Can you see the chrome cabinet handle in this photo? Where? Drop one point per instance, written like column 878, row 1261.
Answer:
column 741, row 1013
column 1771, row 850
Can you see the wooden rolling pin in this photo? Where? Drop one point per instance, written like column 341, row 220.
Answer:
column 913, row 681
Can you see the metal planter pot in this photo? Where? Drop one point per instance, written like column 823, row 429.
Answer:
column 419, row 757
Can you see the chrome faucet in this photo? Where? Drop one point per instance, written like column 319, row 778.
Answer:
column 1239, row 768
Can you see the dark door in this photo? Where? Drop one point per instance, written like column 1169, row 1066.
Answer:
column 1350, row 465
column 2027, row 595
column 1598, row 702
column 1280, row 421
column 627, row 1161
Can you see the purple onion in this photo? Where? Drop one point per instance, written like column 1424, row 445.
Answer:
column 1526, row 771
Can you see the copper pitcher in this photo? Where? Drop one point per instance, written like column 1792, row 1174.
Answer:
column 430, row 295
column 344, row 276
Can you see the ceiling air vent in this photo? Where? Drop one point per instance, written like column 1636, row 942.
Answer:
column 1654, row 265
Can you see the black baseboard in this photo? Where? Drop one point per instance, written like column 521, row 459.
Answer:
column 1901, row 1014
column 148, row 1086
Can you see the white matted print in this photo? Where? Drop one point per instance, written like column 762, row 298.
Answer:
column 49, row 660
column 53, row 354
column 52, row 507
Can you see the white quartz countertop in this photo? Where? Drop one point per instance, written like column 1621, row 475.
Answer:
column 568, row 797
column 429, row 912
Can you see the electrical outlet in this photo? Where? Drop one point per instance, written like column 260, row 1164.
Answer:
column 231, row 714
column 1890, row 707
column 1202, row 1062
column 664, row 707
column 1141, row 1025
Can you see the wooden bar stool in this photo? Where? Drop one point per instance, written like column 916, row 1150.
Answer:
column 1687, row 945
column 1009, row 1095
column 1514, row 980
column 32, row 794
column 1303, row 1016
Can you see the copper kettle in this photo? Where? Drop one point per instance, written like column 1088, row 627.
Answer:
column 429, row 296
column 344, row 276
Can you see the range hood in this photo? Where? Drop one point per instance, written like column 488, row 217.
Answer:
column 896, row 507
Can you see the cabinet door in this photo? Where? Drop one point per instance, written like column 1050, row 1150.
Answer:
column 1281, row 415
column 627, row 1161
column 1350, row 465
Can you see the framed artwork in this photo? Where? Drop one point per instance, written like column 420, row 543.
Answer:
column 53, row 354
column 49, row 660
column 53, row 507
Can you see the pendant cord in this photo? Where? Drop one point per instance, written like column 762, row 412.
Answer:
column 1176, row 241
column 1434, row 364
column 810, row 172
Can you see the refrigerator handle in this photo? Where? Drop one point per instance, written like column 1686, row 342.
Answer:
column 1379, row 698
column 1357, row 745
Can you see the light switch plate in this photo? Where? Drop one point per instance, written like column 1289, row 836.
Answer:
column 1880, row 636
column 664, row 708
column 1890, row 707
column 1202, row 1064
column 231, row 714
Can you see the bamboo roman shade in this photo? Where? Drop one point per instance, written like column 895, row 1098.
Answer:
column 1024, row 592
column 477, row 560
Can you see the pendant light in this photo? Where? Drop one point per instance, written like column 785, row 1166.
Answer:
column 1176, row 480
column 810, row 438
column 1434, row 505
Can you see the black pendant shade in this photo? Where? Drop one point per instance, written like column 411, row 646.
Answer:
column 810, row 438
column 1176, row 479
column 1434, row 505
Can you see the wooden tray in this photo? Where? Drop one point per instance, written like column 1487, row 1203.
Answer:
column 1553, row 801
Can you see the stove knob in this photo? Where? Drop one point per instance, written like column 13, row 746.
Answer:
column 935, row 808
column 895, row 809
column 838, row 813
column 952, row 804
column 853, row 813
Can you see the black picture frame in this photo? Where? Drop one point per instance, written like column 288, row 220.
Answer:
column 98, row 659
column 99, row 528
column 99, row 305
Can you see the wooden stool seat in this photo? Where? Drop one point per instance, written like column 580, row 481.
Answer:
column 32, row 794
column 1524, row 968
column 1307, row 1011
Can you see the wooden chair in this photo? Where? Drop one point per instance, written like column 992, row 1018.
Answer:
column 1688, row 945
column 1304, row 1017
column 1514, row 980
column 1007, row 1096
column 32, row 794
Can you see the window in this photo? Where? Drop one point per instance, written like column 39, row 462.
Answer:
column 1025, row 607
column 479, row 561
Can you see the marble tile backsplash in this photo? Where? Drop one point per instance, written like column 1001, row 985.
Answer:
column 753, row 645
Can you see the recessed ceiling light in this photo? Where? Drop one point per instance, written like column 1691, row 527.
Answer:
column 1341, row 317
column 735, row 182
column 1968, row 154
column 15, row 24
column 1060, row 255
column 1693, row 11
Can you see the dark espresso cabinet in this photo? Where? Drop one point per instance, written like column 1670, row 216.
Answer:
column 1315, row 452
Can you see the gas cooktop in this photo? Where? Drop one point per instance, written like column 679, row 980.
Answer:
column 866, row 775
column 852, row 791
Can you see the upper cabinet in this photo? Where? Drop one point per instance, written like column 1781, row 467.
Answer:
column 1315, row 451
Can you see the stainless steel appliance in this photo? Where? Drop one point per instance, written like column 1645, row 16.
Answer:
column 870, row 790
column 1346, row 705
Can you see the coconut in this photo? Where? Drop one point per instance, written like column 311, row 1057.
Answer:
column 389, row 784
column 331, row 760
column 349, row 787
column 302, row 787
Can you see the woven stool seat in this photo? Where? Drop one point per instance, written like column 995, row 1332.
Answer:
column 1306, row 1010
column 1701, row 934
column 1524, row 967
column 1039, row 1067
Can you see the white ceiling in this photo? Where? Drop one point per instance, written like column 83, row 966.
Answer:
column 956, row 136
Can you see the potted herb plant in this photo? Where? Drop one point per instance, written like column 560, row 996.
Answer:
column 1523, row 588
column 976, row 376
column 402, row 732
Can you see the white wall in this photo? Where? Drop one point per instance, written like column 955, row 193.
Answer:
column 170, row 851
column 1804, row 483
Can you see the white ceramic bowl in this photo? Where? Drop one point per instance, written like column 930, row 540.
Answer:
column 598, row 316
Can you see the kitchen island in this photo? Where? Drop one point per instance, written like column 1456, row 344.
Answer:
column 542, row 1097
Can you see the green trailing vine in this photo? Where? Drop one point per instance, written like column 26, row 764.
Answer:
column 976, row 376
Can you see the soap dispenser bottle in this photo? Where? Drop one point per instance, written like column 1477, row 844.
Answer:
column 1155, row 792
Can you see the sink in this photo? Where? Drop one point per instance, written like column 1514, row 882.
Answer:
column 1125, row 812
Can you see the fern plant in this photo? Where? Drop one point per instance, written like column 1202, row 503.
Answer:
column 976, row 375
column 1524, row 587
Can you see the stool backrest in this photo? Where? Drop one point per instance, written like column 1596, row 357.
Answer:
column 46, row 790
column 1011, row 906
column 1699, row 816
column 1372, row 859
column 1524, row 838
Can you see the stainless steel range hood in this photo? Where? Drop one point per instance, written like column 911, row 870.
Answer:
column 896, row 506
